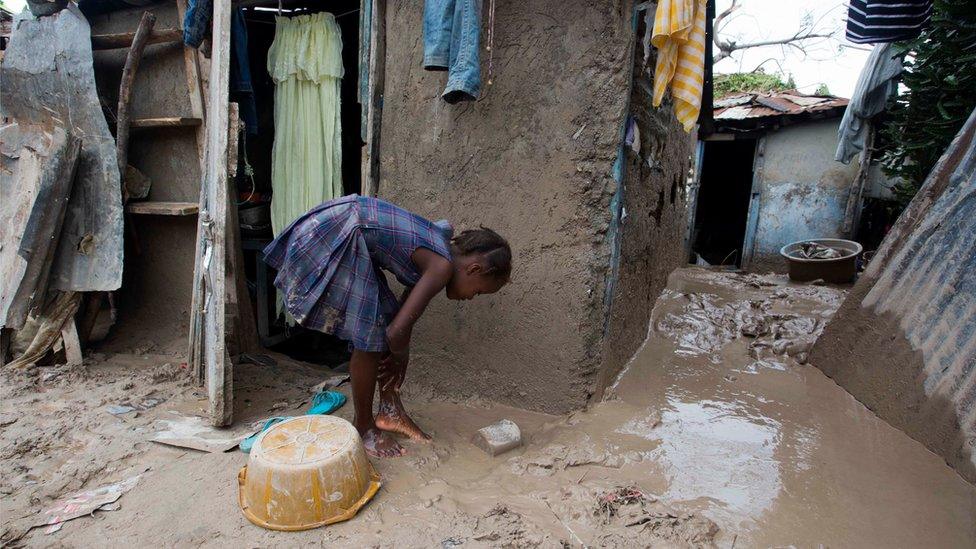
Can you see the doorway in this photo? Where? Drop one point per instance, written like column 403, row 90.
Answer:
column 254, row 181
column 723, row 202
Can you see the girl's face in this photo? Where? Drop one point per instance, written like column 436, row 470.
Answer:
column 470, row 279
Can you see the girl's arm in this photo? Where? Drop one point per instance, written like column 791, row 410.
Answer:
column 436, row 273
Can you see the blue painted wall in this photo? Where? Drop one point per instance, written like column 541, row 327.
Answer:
column 802, row 191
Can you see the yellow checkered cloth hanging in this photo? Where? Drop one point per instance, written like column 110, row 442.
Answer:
column 679, row 36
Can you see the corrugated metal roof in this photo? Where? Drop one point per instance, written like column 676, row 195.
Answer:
column 756, row 106
column 733, row 100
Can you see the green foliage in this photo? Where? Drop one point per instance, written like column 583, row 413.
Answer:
column 756, row 81
column 822, row 89
column 940, row 77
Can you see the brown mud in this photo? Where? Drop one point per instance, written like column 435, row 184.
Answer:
column 713, row 435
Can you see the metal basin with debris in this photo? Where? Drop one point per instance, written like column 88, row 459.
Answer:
column 306, row 472
column 831, row 259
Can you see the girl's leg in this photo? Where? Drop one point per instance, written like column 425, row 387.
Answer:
column 393, row 417
column 362, row 370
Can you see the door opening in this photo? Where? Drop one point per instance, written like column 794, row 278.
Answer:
column 723, row 201
column 254, row 183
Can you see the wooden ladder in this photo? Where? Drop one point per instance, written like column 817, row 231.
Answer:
column 136, row 41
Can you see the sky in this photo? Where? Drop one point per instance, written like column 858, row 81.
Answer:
column 834, row 62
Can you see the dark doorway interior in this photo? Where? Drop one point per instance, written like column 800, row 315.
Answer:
column 254, row 172
column 723, row 201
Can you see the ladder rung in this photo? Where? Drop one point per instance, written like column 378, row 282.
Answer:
column 124, row 39
column 162, row 208
column 166, row 122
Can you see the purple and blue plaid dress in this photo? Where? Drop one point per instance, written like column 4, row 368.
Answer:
column 330, row 265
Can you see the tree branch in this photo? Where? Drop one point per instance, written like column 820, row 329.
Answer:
column 727, row 47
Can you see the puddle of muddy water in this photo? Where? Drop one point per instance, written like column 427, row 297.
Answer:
column 769, row 447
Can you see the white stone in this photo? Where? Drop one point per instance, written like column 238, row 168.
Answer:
column 498, row 438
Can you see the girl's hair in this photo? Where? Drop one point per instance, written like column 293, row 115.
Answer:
column 497, row 252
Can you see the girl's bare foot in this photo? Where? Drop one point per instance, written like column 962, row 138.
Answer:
column 381, row 445
column 393, row 418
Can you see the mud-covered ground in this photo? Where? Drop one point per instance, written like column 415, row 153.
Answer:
column 716, row 434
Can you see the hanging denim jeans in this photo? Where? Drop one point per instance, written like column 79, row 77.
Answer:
column 452, row 36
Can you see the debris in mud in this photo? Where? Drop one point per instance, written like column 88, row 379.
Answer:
column 754, row 280
column 558, row 457
column 127, row 407
column 169, row 372
column 631, row 517
column 119, row 409
column 196, row 433
column 813, row 250
column 331, row 382
column 502, row 527
column 704, row 326
column 608, row 505
column 85, row 503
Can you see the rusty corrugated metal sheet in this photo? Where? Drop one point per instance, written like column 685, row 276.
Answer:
column 775, row 104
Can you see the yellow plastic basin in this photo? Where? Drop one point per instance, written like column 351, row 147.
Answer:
column 306, row 472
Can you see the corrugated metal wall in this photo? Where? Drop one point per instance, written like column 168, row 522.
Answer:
column 904, row 341
column 930, row 285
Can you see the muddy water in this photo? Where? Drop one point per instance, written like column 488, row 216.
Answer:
column 770, row 448
column 731, row 439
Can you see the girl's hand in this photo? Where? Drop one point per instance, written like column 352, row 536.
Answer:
column 393, row 367
column 392, row 372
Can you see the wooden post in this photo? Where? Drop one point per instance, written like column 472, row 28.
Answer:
column 191, row 68
column 852, row 213
column 219, row 369
column 377, row 76
column 125, row 90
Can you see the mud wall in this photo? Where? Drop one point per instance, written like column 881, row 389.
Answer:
column 904, row 341
column 652, row 217
column 534, row 160
column 803, row 191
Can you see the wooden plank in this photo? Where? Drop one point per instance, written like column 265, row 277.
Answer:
column 219, row 370
column 125, row 88
column 194, row 81
column 166, row 122
column 162, row 208
column 245, row 329
column 755, row 195
column 125, row 39
column 377, row 77
column 72, row 345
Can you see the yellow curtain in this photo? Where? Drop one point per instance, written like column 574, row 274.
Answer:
column 305, row 62
column 679, row 36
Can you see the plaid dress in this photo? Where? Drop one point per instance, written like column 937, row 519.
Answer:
column 330, row 265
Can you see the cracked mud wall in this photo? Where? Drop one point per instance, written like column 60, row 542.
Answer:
column 533, row 159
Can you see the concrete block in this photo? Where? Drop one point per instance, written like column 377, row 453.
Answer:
column 498, row 438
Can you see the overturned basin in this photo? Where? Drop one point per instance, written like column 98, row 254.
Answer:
column 838, row 270
column 305, row 472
